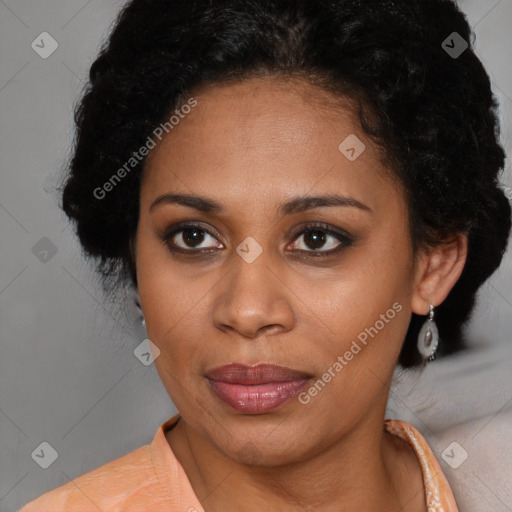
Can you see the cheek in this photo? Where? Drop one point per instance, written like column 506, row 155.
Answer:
column 167, row 298
column 172, row 306
column 174, row 316
column 367, row 311
column 371, row 281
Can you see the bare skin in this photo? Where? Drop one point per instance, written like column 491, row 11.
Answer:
column 250, row 147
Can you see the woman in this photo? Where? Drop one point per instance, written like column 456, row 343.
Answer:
column 305, row 194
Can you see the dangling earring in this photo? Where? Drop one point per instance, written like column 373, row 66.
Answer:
column 428, row 338
column 141, row 313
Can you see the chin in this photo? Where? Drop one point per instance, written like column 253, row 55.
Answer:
column 257, row 451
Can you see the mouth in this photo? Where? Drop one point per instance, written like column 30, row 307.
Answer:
column 256, row 389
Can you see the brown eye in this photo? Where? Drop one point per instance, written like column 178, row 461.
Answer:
column 191, row 238
column 318, row 240
column 317, row 237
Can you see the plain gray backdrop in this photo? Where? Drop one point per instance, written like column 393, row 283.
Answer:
column 68, row 373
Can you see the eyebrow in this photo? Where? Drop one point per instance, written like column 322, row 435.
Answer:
column 296, row 205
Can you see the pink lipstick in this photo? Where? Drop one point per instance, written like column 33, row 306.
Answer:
column 256, row 389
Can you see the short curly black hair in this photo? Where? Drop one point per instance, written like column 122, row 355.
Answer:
column 432, row 112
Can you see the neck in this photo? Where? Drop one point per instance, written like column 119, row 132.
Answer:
column 361, row 471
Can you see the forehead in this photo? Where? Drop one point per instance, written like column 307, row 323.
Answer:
column 262, row 136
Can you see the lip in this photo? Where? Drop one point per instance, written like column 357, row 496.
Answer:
column 256, row 389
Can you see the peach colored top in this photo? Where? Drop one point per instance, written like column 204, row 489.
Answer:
column 150, row 479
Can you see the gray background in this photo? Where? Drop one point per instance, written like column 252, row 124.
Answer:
column 68, row 374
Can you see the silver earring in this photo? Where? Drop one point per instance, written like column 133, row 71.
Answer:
column 141, row 313
column 428, row 338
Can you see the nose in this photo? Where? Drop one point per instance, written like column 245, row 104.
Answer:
column 253, row 299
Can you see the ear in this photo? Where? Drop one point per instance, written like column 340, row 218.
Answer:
column 437, row 271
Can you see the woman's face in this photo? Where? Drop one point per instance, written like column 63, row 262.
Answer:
column 242, row 284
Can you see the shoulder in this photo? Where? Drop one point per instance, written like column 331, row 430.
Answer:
column 121, row 482
column 438, row 492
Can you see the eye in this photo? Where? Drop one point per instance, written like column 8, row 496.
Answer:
column 316, row 236
column 186, row 238
column 194, row 238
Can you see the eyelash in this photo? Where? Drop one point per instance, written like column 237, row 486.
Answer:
column 344, row 239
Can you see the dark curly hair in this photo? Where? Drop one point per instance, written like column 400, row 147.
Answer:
column 433, row 114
